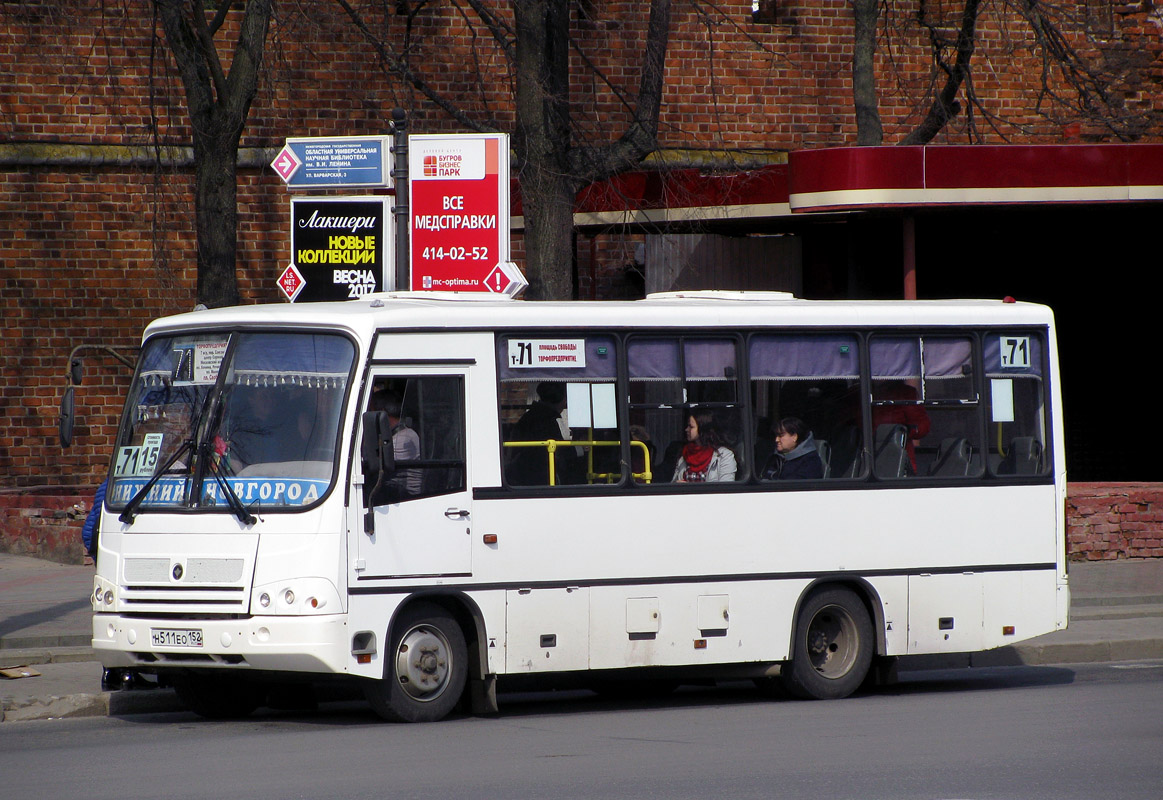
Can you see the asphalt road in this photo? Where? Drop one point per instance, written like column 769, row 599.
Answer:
column 1089, row 731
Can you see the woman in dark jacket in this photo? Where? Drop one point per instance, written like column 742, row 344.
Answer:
column 795, row 457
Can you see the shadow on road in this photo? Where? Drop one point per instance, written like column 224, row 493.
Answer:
column 42, row 616
column 977, row 679
column 345, row 708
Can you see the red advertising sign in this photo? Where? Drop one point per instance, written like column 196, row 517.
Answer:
column 291, row 282
column 459, row 190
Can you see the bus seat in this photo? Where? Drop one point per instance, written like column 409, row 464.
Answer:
column 953, row 457
column 1024, row 457
column 858, row 465
column 848, row 458
column 890, row 458
column 825, row 451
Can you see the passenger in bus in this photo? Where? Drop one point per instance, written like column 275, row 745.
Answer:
column 907, row 413
column 530, row 465
column 257, row 429
column 796, row 456
column 267, row 426
column 405, row 442
column 705, row 457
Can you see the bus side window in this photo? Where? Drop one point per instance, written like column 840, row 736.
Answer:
column 926, row 385
column 674, row 379
column 1016, row 394
column 426, row 414
column 814, row 378
column 558, row 411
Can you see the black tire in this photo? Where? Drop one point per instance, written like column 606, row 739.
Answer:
column 219, row 697
column 833, row 646
column 424, row 670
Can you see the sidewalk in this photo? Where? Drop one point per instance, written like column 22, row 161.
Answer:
column 1116, row 615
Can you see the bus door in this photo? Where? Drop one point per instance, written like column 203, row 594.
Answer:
column 415, row 520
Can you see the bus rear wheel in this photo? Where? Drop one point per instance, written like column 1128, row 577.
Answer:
column 833, row 646
column 424, row 671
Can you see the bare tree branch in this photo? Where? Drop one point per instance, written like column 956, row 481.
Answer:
column 641, row 138
column 392, row 64
column 945, row 105
column 503, row 33
column 206, row 41
column 218, row 106
column 868, row 127
column 1091, row 88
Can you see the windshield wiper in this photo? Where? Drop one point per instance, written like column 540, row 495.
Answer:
column 240, row 511
column 131, row 507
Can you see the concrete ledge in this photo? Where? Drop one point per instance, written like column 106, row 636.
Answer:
column 1093, row 652
column 54, row 707
column 45, row 655
column 1040, row 654
column 9, row 643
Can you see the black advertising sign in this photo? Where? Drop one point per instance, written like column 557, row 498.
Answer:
column 340, row 247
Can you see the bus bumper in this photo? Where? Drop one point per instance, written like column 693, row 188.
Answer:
column 316, row 644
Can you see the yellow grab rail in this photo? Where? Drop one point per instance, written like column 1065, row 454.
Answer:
column 551, row 446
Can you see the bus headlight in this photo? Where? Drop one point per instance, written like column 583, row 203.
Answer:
column 297, row 596
column 104, row 594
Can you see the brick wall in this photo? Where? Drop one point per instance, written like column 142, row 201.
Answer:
column 81, row 264
column 1115, row 520
column 90, row 251
column 44, row 524
column 1105, row 521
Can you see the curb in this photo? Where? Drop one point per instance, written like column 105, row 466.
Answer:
column 44, row 654
column 1097, row 652
column 89, row 704
column 55, row 707
column 69, row 640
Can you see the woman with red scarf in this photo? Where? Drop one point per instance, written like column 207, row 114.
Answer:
column 704, row 457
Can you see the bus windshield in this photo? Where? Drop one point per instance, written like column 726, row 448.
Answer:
column 231, row 421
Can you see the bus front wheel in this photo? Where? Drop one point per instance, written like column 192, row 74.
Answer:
column 833, row 646
column 425, row 669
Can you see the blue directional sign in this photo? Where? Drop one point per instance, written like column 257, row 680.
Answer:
column 318, row 163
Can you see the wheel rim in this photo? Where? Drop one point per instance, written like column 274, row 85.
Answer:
column 424, row 663
column 832, row 642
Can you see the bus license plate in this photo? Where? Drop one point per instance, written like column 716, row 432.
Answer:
column 171, row 637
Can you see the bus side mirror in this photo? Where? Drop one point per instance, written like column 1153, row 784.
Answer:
column 67, row 418
column 75, row 371
column 375, row 450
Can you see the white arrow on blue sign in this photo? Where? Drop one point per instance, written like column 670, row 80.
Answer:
column 319, row 163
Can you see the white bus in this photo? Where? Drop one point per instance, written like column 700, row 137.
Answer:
column 428, row 493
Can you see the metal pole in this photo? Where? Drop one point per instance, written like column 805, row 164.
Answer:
column 910, row 257
column 402, row 213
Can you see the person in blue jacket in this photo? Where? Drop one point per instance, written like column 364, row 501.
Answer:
column 91, row 529
column 795, row 456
